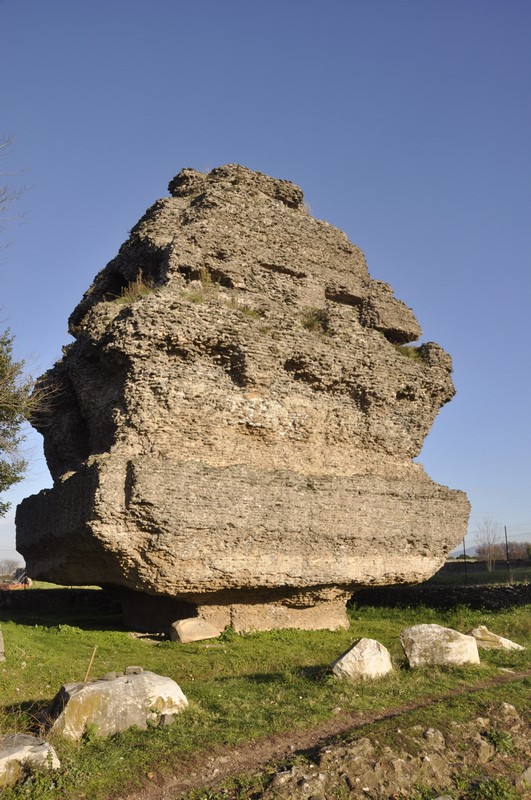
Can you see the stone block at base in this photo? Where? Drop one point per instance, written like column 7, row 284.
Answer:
column 193, row 629
column 248, row 617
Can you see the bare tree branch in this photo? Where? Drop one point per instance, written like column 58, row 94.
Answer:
column 489, row 541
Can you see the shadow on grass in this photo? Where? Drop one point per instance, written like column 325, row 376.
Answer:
column 33, row 712
column 88, row 609
column 318, row 673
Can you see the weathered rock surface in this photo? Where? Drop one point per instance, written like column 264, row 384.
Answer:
column 114, row 704
column 524, row 779
column 427, row 757
column 367, row 658
column 491, row 641
column 234, row 426
column 18, row 750
column 193, row 629
column 430, row 645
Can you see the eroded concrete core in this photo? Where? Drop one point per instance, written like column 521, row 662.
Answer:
column 232, row 430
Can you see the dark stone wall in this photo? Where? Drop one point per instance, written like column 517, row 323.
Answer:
column 490, row 598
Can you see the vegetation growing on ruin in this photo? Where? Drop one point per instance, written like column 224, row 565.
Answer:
column 208, row 288
column 202, row 290
column 135, row 289
column 408, row 351
column 315, row 320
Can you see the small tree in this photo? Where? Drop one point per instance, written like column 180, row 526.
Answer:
column 489, row 542
column 519, row 551
column 16, row 402
column 15, row 407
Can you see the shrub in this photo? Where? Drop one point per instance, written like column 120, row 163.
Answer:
column 135, row 289
column 408, row 352
column 316, row 320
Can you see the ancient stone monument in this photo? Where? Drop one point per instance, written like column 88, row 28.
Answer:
column 231, row 433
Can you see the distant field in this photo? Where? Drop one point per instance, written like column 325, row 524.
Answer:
column 453, row 573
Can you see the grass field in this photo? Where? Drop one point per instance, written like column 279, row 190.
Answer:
column 453, row 573
column 240, row 688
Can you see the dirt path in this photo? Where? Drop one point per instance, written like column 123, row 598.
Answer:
column 204, row 771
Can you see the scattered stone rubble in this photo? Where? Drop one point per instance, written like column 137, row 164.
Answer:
column 114, row 703
column 423, row 645
column 111, row 704
column 231, row 435
column 434, row 645
column 367, row 658
column 119, row 700
column 19, row 751
column 418, row 756
column 491, row 641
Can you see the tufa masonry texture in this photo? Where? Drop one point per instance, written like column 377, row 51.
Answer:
column 231, row 433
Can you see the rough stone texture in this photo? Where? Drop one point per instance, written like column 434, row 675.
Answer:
column 367, row 658
column 486, row 598
column 418, row 757
column 18, row 750
column 193, row 629
column 133, row 670
column 434, row 645
column 114, row 705
column 525, row 778
column 234, row 426
column 491, row 641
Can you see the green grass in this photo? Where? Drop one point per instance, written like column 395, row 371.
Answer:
column 400, row 732
column 247, row 311
column 205, row 290
column 239, row 687
column 454, row 574
column 315, row 320
column 208, row 290
column 137, row 288
column 501, row 740
column 408, row 351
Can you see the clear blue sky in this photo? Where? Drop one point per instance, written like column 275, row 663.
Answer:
column 407, row 124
